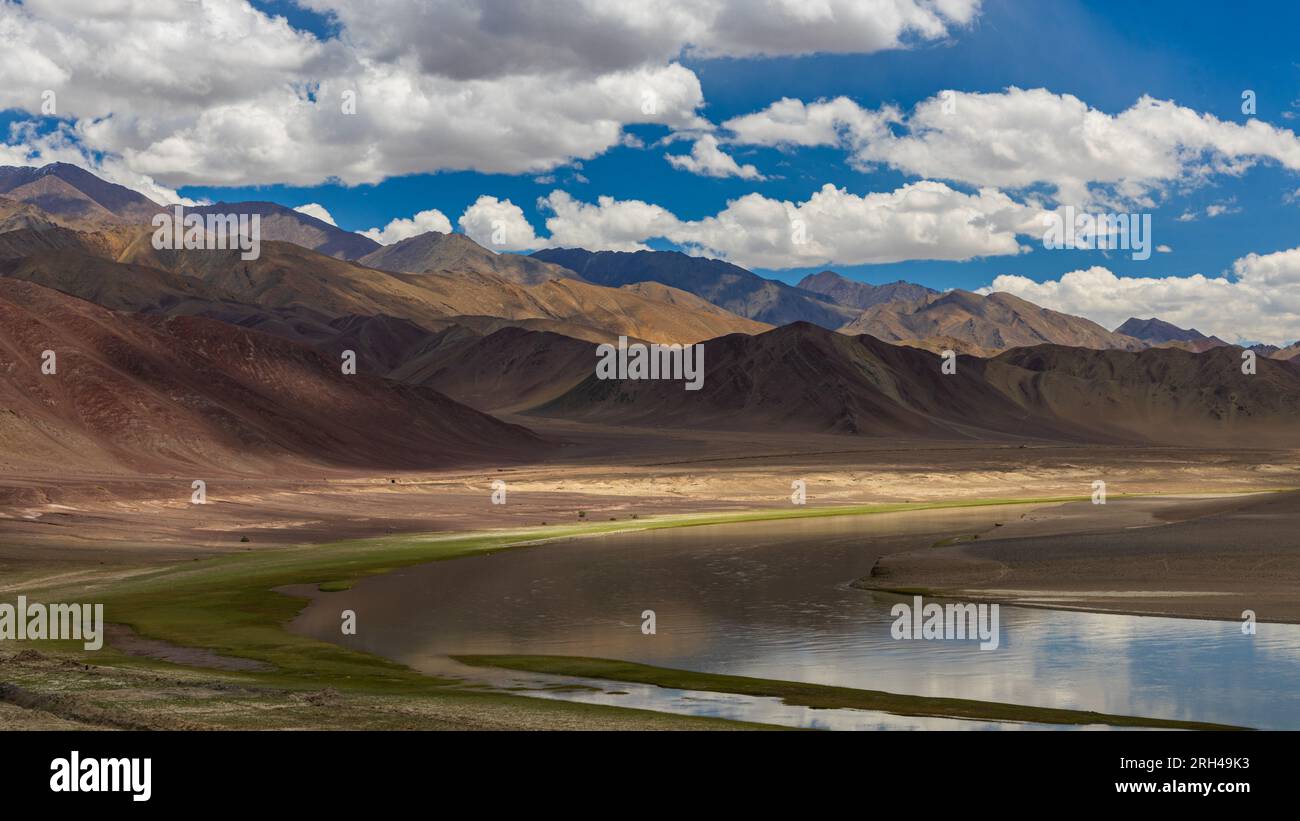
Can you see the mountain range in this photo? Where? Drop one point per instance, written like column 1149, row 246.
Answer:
column 728, row 286
column 863, row 295
column 170, row 358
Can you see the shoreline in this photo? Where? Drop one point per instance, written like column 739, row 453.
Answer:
column 234, row 605
column 1214, row 564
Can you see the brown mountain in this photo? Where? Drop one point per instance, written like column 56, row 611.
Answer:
column 508, row 370
column 23, row 242
column 728, row 286
column 282, row 224
column 15, row 215
column 75, row 196
column 1161, row 394
column 196, row 396
column 435, row 252
column 1289, row 352
column 802, row 377
column 862, row 295
column 981, row 325
column 286, row 275
column 1158, row 333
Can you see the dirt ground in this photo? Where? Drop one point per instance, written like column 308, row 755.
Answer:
column 90, row 530
column 1194, row 558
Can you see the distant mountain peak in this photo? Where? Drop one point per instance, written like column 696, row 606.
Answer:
column 862, row 295
column 438, row 252
column 77, row 195
column 723, row 283
column 1157, row 331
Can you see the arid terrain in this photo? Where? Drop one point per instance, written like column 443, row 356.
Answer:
column 184, row 429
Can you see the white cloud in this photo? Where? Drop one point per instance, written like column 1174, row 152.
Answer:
column 789, row 122
column 313, row 209
column 27, row 147
column 707, row 160
column 467, row 40
column 608, row 225
column 499, row 225
column 1260, row 301
column 400, row 229
column 218, row 92
column 924, row 220
column 1020, row 138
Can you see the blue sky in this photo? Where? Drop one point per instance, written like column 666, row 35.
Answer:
column 1107, row 53
column 1218, row 207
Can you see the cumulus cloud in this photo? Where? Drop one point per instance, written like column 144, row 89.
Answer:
column 789, row 122
column 400, row 229
column 924, row 220
column 707, row 160
column 468, row 40
column 499, row 225
column 408, row 86
column 607, row 225
column 1260, row 300
column 28, row 147
column 314, row 209
column 1020, row 138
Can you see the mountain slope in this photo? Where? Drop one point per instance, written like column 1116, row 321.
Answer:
column 1158, row 333
column 286, row 275
column 435, row 252
column 72, row 193
column 508, row 370
column 981, row 325
column 78, row 199
column 800, row 377
column 729, row 286
column 282, row 224
column 1162, row 394
column 168, row 394
column 803, row 378
column 16, row 215
column 862, row 295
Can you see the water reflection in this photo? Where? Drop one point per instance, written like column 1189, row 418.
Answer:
column 772, row 600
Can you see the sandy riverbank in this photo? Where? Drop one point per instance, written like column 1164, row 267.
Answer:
column 1191, row 557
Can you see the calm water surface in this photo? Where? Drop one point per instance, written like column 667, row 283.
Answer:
column 772, row 600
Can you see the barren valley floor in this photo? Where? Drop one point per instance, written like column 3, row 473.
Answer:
column 118, row 538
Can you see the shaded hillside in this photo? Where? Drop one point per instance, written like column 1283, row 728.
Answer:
column 15, row 215
column 195, row 395
column 801, row 377
column 1162, row 394
column 507, row 370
